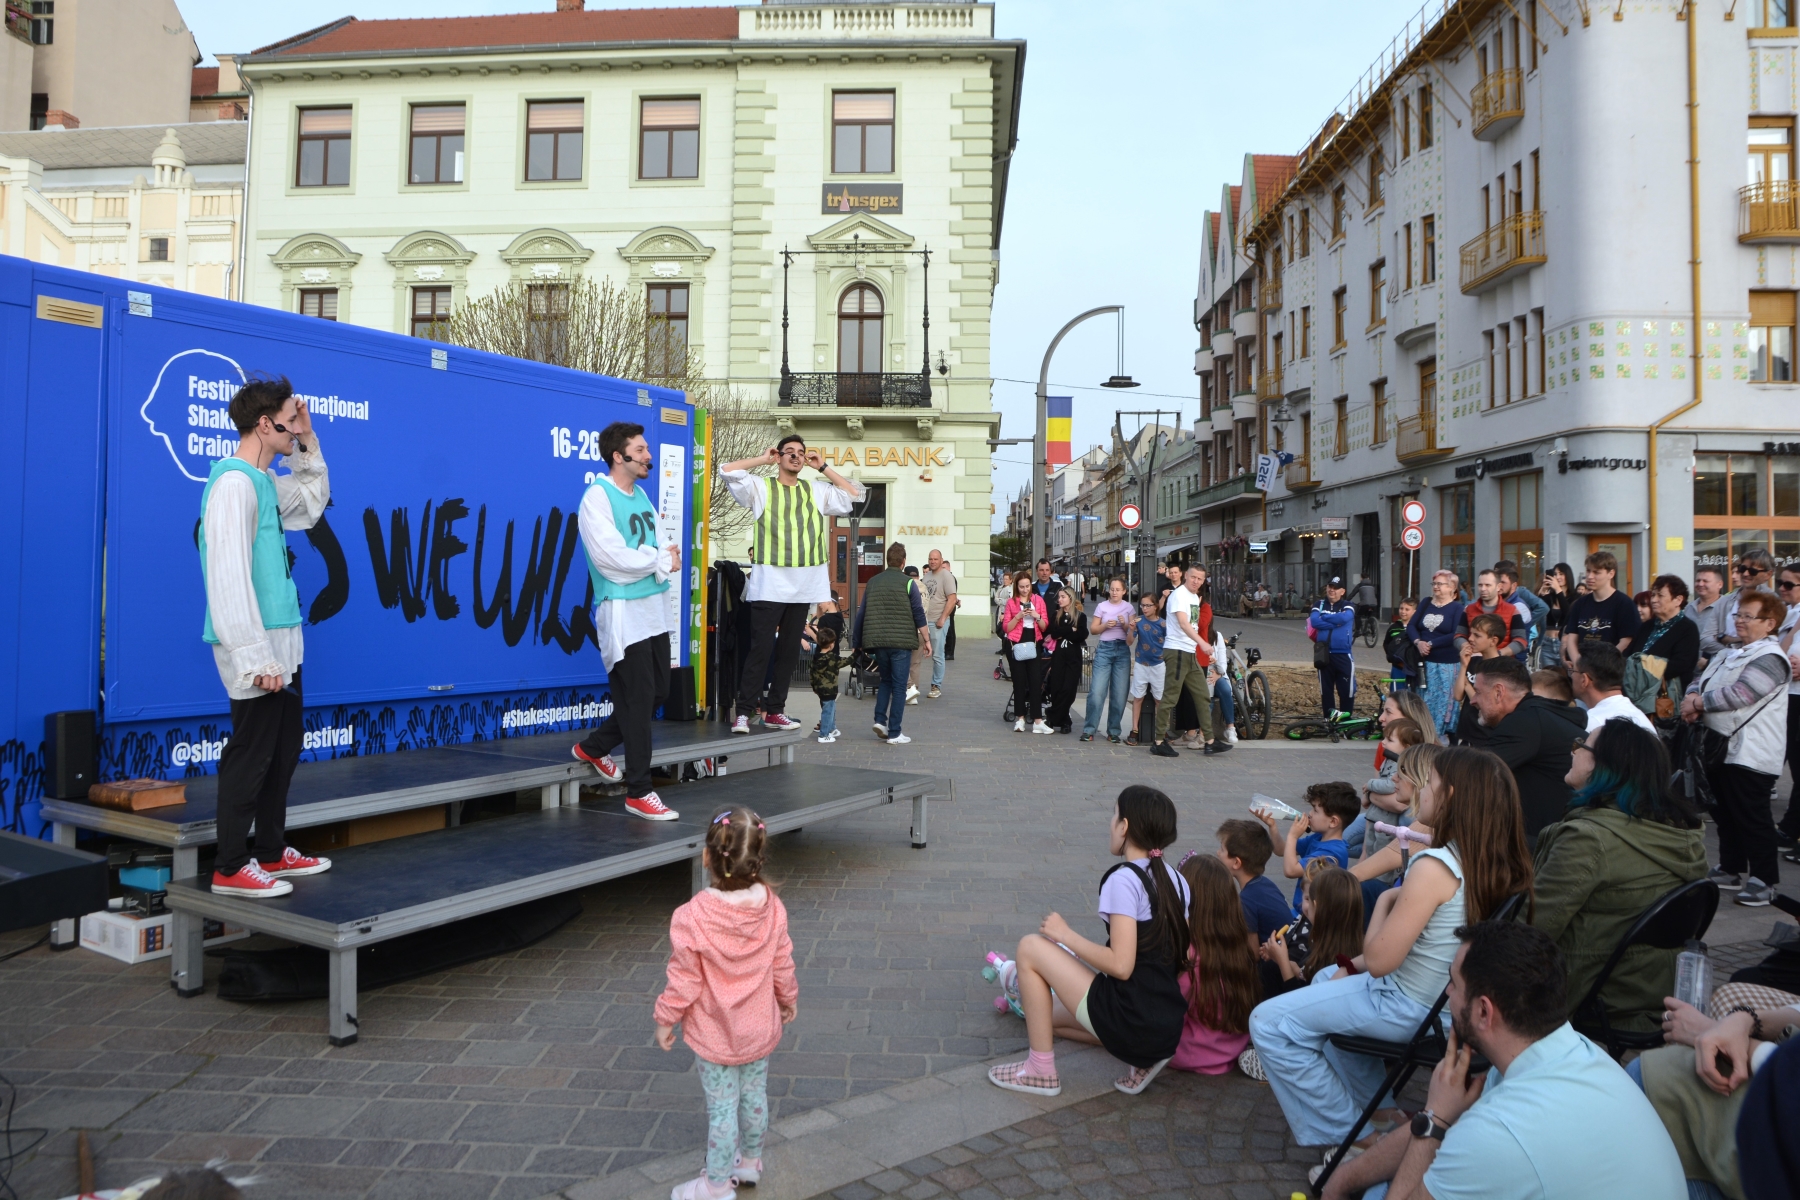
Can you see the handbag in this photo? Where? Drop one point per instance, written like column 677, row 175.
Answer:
column 1024, row 651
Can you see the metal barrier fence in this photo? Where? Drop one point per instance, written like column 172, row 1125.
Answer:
column 1282, row 590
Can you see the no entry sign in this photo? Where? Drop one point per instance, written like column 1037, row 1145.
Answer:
column 1130, row 516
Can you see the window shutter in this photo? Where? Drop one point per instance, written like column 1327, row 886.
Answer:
column 1771, row 308
column 553, row 116
column 863, row 106
column 437, row 118
column 671, row 114
column 324, row 120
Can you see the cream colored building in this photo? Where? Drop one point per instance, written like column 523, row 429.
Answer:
column 95, row 62
column 399, row 167
column 153, row 204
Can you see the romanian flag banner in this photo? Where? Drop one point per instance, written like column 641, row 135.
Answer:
column 1057, row 433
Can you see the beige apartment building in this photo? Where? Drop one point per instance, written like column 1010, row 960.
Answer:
column 153, row 204
column 94, row 62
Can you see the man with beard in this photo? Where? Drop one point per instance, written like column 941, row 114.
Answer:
column 1554, row 1119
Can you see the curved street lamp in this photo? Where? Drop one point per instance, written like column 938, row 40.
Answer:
column 1040, row 546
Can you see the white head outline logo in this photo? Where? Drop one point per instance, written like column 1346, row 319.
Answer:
column 144, row 410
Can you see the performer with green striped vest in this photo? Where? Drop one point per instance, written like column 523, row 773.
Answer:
column 632, row 616
column 253, row 625
column 788, row 565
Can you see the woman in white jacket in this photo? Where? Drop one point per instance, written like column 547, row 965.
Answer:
column 1741, row 696
column 1219, row 684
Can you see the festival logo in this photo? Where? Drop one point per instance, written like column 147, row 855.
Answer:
column 187, row 409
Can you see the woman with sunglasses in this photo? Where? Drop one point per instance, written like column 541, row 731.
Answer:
column 1740, row 697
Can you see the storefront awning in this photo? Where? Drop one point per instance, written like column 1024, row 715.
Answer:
column 1266, row 537
column 1167, row 548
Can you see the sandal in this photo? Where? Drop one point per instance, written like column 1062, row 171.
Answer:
column 1013, row 1078
column 1139, row 1078
column 1131, row 739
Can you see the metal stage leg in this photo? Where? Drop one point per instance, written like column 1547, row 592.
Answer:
column 571, row 793
column 918, row 825
column 187, row 962
column 550, row 796
column 702, row 878
column 343, row 996
column 62, row 933
column 455, row 813
column 787, row 753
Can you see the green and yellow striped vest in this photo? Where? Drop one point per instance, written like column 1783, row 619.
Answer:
column 791, row 530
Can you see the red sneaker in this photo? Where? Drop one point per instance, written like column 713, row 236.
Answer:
column 250, row 880
column 650, row 807
column 292, row 862
column 779, row 721
column 609, row 770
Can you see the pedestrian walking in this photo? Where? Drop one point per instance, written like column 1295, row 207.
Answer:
column 891, row 624
column 939, row 583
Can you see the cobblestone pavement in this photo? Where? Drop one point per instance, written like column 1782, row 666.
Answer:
column 534, row 1072
column 1187, row 1136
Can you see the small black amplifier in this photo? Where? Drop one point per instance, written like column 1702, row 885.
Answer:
column 71, row 754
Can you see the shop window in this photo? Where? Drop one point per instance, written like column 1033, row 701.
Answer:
column 1745, row 502
column 862, row 133
column 553, row 140
column 668, row 330
column 1771, row 337
column 431, row 313
column 323, row 156
column 1521, row 526
column 669, row 139
column 319, row 302
column 1456, row 533
column 437, row 144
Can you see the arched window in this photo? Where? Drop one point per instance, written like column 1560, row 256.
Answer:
column 859, row 331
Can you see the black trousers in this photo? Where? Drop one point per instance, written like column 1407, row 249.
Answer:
column 1746, row 822
column 639, row 682
column 767, row 620
column 254, row 772
column 1341, row 677
column 1028, row 685
column 1061, row 684
column 1790, row 820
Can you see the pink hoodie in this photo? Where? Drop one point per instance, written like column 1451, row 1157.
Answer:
column 731, row 968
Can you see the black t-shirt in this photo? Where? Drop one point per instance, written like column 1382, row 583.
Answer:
column 1612, row 620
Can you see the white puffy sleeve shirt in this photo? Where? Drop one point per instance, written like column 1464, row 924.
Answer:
column 621, row 623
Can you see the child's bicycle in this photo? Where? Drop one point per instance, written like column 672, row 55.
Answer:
column 1250, row 690
column 1338, row 726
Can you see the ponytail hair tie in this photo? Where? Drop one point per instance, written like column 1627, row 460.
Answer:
column 1156, row 854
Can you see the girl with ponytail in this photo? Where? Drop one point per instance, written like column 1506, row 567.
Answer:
column 1123, row 995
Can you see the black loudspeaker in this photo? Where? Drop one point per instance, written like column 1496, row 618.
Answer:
column 679, row 706
column 71, row 754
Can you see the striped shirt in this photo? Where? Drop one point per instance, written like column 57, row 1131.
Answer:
column 789, row 585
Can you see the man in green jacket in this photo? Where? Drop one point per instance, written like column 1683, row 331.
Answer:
column 1625, row 842
column 891, row 624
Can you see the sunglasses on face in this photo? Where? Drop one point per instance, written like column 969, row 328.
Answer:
column 1784, row 585
column 1579, row 743
column 1746, row 569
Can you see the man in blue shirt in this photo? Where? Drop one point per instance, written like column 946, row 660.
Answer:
column 1555, row 1119
column 1334, row 630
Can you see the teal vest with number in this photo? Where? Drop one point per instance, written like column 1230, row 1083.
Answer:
column 635, row 517
column 276, row 597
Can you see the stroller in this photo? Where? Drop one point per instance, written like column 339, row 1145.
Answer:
column 864, row 676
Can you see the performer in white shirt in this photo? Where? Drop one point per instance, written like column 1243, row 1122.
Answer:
column 631, row 613
column 788, row 557
column 253, row 624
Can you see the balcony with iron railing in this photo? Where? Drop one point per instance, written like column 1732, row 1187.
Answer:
column 833, row 389
column 1271, row 296
column 1769, row 212
column 1268, row 386
column 1416, row 439
column 1497, row 103
column 1502, row 251
column 1201, row 499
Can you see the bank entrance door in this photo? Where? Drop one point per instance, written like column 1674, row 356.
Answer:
column 870, row 519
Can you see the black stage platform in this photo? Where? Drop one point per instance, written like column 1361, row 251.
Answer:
column 384, row 890
column 342, row 789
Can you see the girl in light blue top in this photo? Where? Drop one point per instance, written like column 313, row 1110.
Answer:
column 1477, row 861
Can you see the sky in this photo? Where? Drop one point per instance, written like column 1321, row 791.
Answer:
column 1134, row 115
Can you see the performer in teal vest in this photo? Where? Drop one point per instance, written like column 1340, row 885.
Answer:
column 633, row 613
column 788, row 572
column 253, row 625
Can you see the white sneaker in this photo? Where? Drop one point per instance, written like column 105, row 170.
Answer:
column 1231, row 735
column 900, row 739
column 880, row 729
column 1019, row 725
column 826, row 739
column 1040, row 727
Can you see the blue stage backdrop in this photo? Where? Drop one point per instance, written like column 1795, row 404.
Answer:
column 445, row 591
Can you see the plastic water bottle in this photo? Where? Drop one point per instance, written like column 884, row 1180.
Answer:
column 1275, row 808
column 1693, row 976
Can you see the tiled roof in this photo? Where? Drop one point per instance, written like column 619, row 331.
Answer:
column 519, row 30
column 1214, row 218
column 1237, row 200
column 205, row 144
column 1272, row 173
column 206, row 82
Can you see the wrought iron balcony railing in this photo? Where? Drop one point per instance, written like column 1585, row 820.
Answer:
column 1416, row 437
column 1201, row 499
column 1268, row 386
column 833, row 389
column 1271, row 296
column 1497, row 103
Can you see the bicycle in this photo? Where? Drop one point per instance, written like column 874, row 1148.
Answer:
column 1365, row 625
column 1338, row 726
column 1249, row 691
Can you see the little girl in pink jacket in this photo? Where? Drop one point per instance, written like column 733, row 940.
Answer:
column 731, row 989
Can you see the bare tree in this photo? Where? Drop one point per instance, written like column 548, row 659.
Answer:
column 609, row 330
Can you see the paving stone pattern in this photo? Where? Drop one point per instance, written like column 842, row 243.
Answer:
column 528, row 1073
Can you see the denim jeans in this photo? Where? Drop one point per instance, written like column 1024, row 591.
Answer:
column 1322, row 1089
column 938, row 634
column 827, row 717
column 1227, row 701
column 1107, row 688
column 890, row 696
column 1354, row 832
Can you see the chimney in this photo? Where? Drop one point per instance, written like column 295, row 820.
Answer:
column 56, row 118
column 570, row 5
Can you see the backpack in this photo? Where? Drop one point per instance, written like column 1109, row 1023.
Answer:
column 1640, row 685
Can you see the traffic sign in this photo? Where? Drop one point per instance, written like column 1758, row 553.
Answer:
column 1413, row 513
column 1130, row 516
column 1412, row 537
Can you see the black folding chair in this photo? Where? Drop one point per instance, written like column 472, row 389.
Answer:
column 1424, row 1049
column 1677, row 917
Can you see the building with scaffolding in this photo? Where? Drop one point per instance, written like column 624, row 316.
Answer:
column 1506, row 278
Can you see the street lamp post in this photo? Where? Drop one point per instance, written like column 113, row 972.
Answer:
column 1040, row 546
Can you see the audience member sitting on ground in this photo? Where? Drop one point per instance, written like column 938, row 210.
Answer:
column 1598, row 680
column 1696, row 1083
column 1531, row 736
column 1333, row 908
column 1554, row 1119
column 1627, row 840
column 1477, row 862
column 1123, row 995
column 1220, row 981
column 1245, row 850
column 1330, row 807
